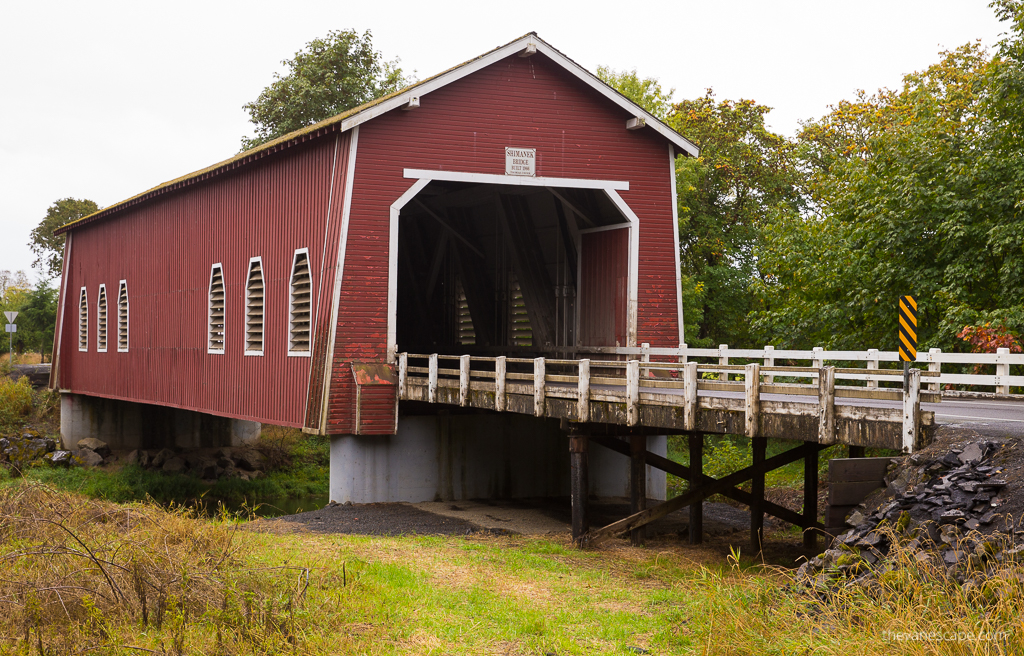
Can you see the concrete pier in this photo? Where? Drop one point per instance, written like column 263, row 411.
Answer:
column 447, row 457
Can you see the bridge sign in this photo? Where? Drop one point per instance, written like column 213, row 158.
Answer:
column 11, row 316
column 908, row 329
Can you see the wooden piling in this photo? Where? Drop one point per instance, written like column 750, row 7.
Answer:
column 638, row 485
column 696, row 530
column 579, row 488
column 810, row 495
column 759, row 445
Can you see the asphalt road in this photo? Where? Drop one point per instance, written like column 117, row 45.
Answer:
column 993, row 417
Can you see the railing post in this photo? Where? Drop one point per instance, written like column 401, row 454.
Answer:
column 583, row 402
column 682, row 353
column 827, row 405
column 690, row 396
column 911, row 410
column 645, row 355
column 873, row 364
column 633, row 392
column 499, row 383
column 403, row 373
column 463, row 380
column 769, row 361
column 752, row 390
column 538, row 387
column 723, row 359
column 936, row 366
column 432, row 379
column 1002, row 370
column 818, row 360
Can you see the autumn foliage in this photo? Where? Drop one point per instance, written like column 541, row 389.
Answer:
column 986, row 338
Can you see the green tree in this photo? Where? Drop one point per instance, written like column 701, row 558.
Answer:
column 37, row 319
column 49, row 248
column 913, row 191
column 646, row 92
column 331, row 75
column 744, row 179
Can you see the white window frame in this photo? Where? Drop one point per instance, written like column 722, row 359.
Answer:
column 209, row 309
column 84, row 294
column 263, row 326
column 101, row 295
column 291, row 304
column 123, row 284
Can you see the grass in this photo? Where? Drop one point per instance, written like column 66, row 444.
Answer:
column 226, row 590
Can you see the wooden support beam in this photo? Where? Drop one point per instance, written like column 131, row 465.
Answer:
column 810, row 495
column 637, row 485
column 583, row 402
column 827, row 405
column 717, row 486
column 696, row 531
column 856, row 451
column 752, row 395
column 579, row 488
column 912, row 410
column 500, row 400
column 403, row 373
column 758, row 445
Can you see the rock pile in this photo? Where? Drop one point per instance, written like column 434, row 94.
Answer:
column 20, row 451
column 943, row 512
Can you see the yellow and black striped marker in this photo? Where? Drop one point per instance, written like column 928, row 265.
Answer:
column 908, row 329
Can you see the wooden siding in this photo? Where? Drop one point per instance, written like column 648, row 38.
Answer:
column 164, row 250
column 465, row 126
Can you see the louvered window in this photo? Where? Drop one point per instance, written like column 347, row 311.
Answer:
column 519, row 330
column 122, row 317
column 254, row 308
column 101, row 320
column 216, row 323
column 301, row 304
column 467, row 334
column 83, row 321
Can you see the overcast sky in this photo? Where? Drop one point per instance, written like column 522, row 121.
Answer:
column 103, row 100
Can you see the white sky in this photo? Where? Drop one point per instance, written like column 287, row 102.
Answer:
column 105, row 99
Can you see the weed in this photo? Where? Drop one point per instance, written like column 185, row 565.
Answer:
column 16, row 401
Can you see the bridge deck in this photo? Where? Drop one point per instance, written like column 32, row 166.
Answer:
column 671, row 397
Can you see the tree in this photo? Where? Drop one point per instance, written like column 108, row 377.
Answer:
column 744, row 179
column 49, row 248
column 331, row 75
column 37, row 319
column 14, row 288
column 646, row 92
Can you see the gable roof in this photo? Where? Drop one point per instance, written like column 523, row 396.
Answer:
column 358, row 115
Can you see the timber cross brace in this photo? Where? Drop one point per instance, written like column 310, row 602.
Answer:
column 601, row 400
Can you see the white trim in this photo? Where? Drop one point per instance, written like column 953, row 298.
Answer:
column 634, row 264
column 102, row 294
column 613, row 226
column 291, row 304
column 84, row 293
column 55, row 356
column 339, row 271
column 396, row 209
column 209, row 309
column 517, row 46
column 245, row 333
column 675, row 241
column 127, row 317
column 520, row 180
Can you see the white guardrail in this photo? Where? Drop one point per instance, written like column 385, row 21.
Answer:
column 1002, row 381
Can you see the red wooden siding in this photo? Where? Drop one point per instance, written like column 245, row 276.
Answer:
column 164, row 249
column 465, row 126
column 604, row 292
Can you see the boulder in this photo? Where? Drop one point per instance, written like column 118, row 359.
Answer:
column 251, row 459
column 89, row 457
column 91, row 443
column 59, row 458
column 162, row 456
column 174, row 465
column 207, row 469
column 132, row 458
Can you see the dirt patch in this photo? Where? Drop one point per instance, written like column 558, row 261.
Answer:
column 374, row 519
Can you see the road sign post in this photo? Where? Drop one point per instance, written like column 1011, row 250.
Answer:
column 908, row 335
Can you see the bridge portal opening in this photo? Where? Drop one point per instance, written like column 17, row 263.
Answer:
column 491, row 269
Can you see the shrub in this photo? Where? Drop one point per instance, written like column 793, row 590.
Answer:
column 15, row 401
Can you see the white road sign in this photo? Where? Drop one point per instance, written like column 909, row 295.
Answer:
column 11, row 328
column 11, row 316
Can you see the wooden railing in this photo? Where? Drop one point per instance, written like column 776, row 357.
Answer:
column 665, row 395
